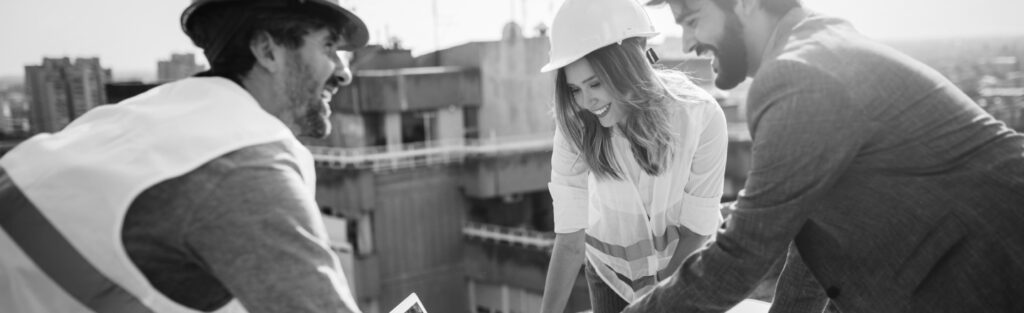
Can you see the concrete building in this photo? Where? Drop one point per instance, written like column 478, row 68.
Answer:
column 431, row 159
column 517, row 98
column 14, row 114
column 438, row 174
column 177, row 67
column 61, row 90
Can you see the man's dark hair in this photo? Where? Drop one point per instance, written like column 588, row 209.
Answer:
column 780, row 7
column 773, row 7
column 225, row 30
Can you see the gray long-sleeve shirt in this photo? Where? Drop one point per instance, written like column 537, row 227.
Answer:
column 242, row 225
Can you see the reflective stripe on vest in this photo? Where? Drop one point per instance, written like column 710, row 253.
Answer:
column 650, row 280
column 56, row 257
column 640, row 249
column 637, row 255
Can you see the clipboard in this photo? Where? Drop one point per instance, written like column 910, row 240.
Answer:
column 411, row 304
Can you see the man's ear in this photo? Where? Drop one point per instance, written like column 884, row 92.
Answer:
column 264, row 49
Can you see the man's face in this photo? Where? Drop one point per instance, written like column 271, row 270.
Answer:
column 709, row 29
column 312, row 74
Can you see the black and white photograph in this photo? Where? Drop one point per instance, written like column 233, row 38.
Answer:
column 512, row 156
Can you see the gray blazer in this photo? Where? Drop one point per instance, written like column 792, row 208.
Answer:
column 898, row 191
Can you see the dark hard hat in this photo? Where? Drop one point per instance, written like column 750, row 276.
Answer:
column 352, row 27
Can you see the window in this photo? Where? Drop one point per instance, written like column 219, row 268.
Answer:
column 471, row 122
column 419, row 126
column 360, row 234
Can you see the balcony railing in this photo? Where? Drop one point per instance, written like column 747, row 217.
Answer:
column 509, row 236
column 426, row 153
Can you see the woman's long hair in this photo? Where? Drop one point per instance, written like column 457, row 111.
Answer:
column 646, row 97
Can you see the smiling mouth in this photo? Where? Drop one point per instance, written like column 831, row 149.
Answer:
column 709, row 52
column 325, row 99
column 328, row 92
column 326, row 95
column 703, row 48
column 602, row 111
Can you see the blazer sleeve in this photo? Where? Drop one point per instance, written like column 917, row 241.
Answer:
column 797, row 290
column 806, row 131
column 568, row 186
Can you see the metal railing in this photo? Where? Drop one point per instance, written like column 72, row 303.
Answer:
column 509, row 235
column 426, row 153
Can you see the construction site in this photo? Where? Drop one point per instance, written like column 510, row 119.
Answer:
column 436, row 180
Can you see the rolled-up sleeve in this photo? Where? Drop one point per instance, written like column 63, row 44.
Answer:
column 568, row 186
column 703, row 190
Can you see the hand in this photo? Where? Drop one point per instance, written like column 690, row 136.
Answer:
column 726, row 209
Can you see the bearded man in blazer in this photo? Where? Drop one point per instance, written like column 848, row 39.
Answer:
column 895, row 190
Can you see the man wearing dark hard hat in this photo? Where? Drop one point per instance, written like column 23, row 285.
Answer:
column 196, row 195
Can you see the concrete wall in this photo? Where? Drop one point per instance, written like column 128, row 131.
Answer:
column 517, row 98
column 450, row 124
column 418, row 232
column 465, row 55
column 415, row 229
column 378, row 57
column 408, row 89
column 349, row 194
column 441, row 89
column 507, row 175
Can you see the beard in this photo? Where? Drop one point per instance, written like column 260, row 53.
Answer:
column 316, row 124
column 310, row 113
column 732, row 56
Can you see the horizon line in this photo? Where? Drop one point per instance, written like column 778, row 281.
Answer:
column 202, row 60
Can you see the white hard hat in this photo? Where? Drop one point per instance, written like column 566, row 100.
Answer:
column 582, row 26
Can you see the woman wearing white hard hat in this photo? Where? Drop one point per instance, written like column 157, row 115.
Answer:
column 638, row 162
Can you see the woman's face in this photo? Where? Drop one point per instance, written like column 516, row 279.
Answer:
column 591, row 94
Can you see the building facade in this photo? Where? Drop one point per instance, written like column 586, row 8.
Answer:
column 61, row 90
column 14, row 113
column 438, row 170
column 178, row 66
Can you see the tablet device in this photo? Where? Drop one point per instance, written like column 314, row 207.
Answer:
column 411, row 304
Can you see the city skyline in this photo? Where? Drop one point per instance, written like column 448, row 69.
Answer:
column 132, row 44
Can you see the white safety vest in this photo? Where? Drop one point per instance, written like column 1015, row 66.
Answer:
column 633, row 225
column 84, row 178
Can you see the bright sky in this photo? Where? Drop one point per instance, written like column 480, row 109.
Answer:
column 130, row 36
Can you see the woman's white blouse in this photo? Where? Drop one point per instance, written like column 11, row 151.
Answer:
column 687, row 193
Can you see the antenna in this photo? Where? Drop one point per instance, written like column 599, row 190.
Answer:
column 437, row 41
